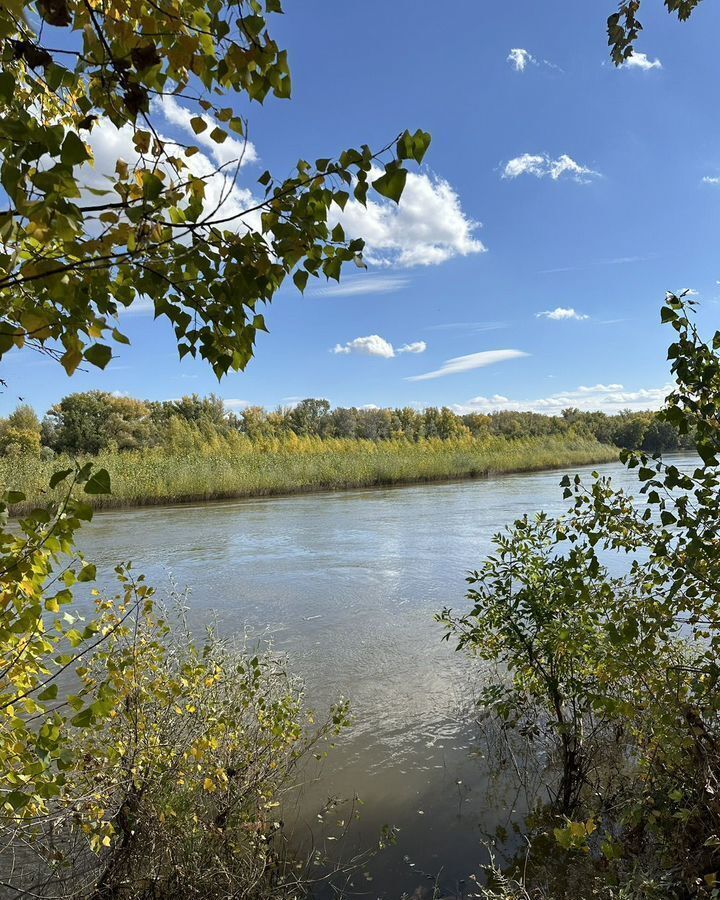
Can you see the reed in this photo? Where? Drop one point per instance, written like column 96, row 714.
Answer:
column 238, row 467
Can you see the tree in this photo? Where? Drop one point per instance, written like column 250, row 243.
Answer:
column 20, row 433
column 24, row 418
column 94, row 421
column 197, row 410
column 306, row 418
column 79, row 247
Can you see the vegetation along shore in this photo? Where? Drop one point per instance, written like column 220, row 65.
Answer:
column 195, row 449
column 249, row 469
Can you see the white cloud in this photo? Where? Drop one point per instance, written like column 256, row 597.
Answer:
column 231, row 149
column 232, row 404
column 460, row 364
column 426, row 228
column 519, row 59
column 711, row 179
column 374, row 345
column 542, row 166
column 641, row 61
column 414, row 347
column 355, row 285
column 560, row 313
column 609, row 398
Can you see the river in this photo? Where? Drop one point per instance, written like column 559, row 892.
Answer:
column 348, row 584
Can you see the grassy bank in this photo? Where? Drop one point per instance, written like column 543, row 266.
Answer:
column 247, row 469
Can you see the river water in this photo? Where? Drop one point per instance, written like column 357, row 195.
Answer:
column 348, row 584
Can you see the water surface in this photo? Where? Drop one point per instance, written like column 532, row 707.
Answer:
column 348, row 583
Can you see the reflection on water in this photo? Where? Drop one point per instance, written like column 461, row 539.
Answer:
column 348, row 584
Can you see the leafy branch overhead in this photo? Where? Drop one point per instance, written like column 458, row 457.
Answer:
column 74, row 254
column 624, row 27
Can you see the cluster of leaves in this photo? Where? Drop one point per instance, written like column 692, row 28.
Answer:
column 619, row 672
column 40, row 640
column 72, row 254
column 624, row 27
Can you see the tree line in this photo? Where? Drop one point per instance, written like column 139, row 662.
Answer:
column 92, row 422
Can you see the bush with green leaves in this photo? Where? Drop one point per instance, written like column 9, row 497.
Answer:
column 619, row 673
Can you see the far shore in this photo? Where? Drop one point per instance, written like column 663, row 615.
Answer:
column 157, row 478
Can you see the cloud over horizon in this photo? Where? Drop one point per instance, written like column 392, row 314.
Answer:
column 459, row 364
column 610, row 398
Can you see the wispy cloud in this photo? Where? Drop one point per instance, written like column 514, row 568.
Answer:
column 142, row 306
column 520, row 59
column 356, row 285
column 641, row 61
column 612, row 261
column 711, row 179
column 374, row 345
column 543, row 166
column 608, row 398
column 474, row 327
column 460, row 364
column 561, row 313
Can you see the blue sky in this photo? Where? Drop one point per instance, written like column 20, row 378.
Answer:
column 553, row 182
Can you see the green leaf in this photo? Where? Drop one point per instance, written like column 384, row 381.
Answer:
column 73, row 150
column 218, row 135
column 14, row 496
column 70, row 360
column 152, row 186
column 82, row 719
column 198, row 124
column 98, row 483
column 50, row 693
column 391, row 184
column 99, row 355
column 87, row 573
column 300, row 278
column 16, row 799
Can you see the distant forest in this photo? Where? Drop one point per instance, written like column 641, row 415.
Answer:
column 96, row 421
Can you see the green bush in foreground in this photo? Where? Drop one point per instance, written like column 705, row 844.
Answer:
column 614, row 679
column 134, row 762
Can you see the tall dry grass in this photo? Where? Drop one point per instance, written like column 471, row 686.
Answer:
column 238, row 467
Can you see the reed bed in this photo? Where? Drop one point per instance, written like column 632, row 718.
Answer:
column 242, row 468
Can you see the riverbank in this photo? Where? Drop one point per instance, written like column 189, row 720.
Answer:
column 151, row 477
